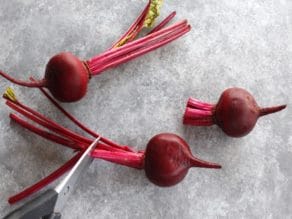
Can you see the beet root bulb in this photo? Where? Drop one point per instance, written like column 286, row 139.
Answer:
column 236, row 112
column 67, row 77
column 168, row 158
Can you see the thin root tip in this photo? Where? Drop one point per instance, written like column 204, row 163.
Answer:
column 210, row 165
column 281, row 107
column 217, row 166
column 268, row 110
column 11, row 201
column 204, row 164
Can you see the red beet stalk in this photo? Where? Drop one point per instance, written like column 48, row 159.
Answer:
column 198, row 113
column 136, row 48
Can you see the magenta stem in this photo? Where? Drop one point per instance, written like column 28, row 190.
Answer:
column 49, row 124
column 43, row 133
column 196, row 104
column 40, row 83
column 133, row 45
column 96, row 67
column 130, row 159
column 197, row 117
column 199, row 113
column 268, row 110
column 114, row 60
column 163, row 23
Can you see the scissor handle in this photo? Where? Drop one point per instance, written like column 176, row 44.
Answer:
column 39, row 207
column 53, row 216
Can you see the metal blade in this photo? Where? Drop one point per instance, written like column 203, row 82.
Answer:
column 67, row 185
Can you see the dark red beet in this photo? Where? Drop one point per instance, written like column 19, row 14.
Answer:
column 66, row 77
column 168, row 158
column 236, row 112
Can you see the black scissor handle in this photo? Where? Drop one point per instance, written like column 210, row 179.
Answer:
column 39, row 207
column 53, row 216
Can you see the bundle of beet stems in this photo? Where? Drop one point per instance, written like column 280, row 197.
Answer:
column 106, row 149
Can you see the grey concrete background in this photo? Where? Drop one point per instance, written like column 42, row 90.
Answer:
column 232, row 43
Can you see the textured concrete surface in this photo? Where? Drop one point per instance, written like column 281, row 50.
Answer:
column 232, row 43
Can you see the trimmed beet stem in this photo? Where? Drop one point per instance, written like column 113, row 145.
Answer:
column 198, row 113
column 96, row 63
column 130, row 159
column 197, row 117
column 196, row 104
column 47, row 180
column 40, row 83
column 163, row 23
column 268, row 110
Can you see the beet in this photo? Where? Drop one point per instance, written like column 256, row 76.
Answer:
column 236, row 112
column 66, row 76
column 168, row 158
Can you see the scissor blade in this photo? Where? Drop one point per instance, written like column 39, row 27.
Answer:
column 67, row 185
